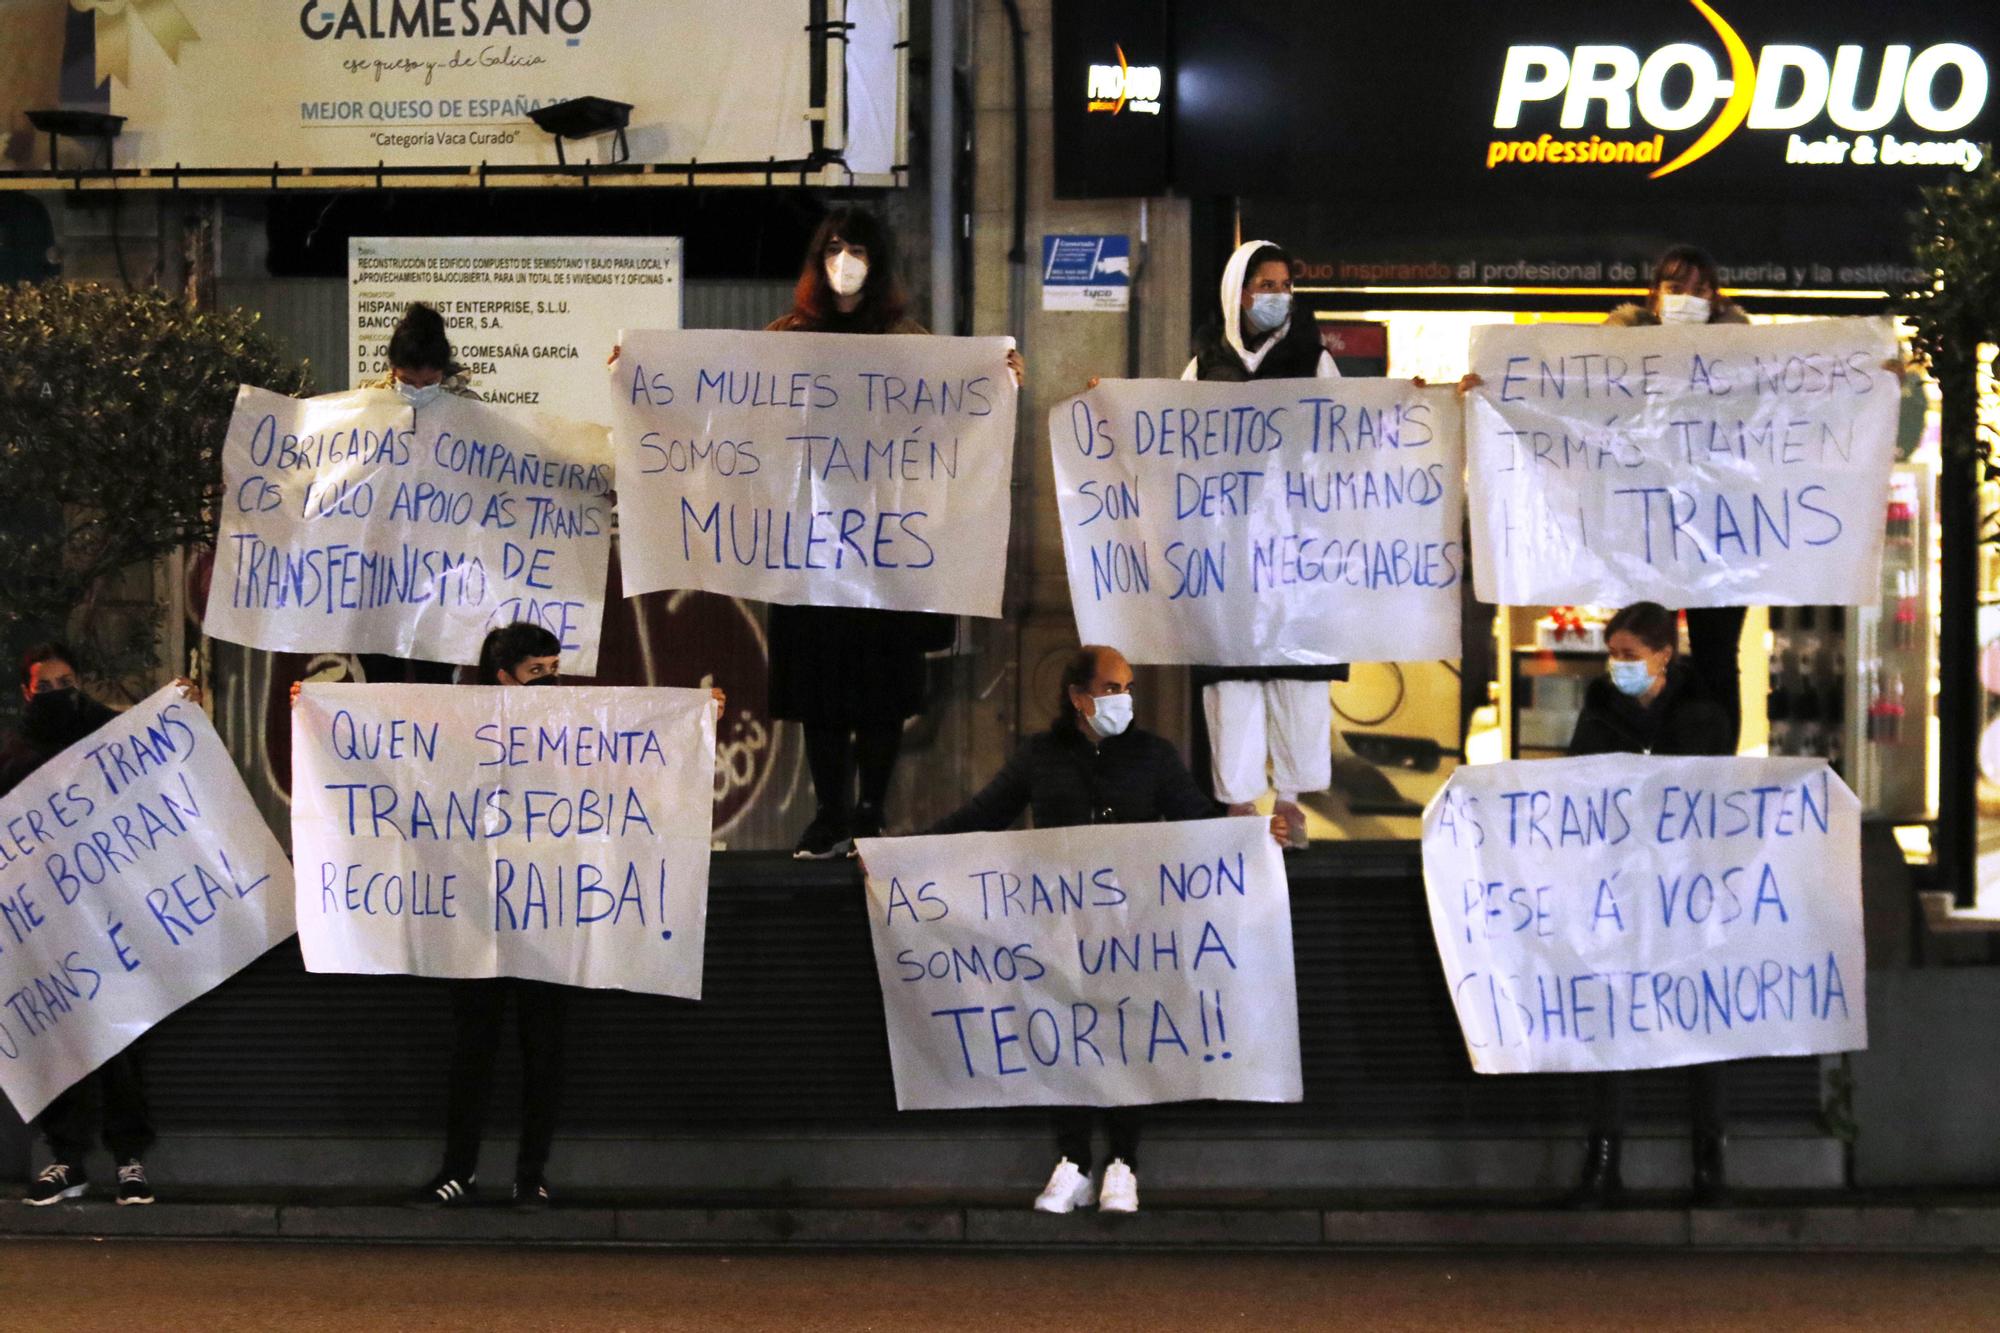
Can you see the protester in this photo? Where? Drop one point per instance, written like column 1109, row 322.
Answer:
column 1650, row 701
column 1686, row 289
column 421, row 365
column 851, row 675
column 1282, row 716
column 421, row 369
column 517, row 654
column 1091, row 767
column 110, row 1101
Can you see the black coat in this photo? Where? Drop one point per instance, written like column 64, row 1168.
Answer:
column 1131, row 778
column 1683, row 720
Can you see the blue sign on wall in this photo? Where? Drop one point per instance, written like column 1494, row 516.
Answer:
column 1086, row 272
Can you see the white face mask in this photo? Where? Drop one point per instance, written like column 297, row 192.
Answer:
column 846, row 272
column 1678, row 308
column 1113, row 714
column 419, row 396
column 1268, row 310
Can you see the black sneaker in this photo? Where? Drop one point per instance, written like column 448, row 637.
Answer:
column 531, row 1195
column 56, row 1183
column 444, row 1191
column 825, row 838
column 133, row 1186
column 867, row 823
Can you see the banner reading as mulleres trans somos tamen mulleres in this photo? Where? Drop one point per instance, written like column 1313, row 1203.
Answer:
column 1620, row 912
column 557, row 834
column 1107, row 965
column 815, row 468
column 136, row 874
column 1712, row 465
column 1273, row 523
column 352, row 524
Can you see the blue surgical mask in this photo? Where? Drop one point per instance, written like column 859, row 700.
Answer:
column 419, row 397
column 1631, row 677
column 1268, row 310
column 1113, row 714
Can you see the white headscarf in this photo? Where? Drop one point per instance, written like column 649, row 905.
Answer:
column 1234, row 274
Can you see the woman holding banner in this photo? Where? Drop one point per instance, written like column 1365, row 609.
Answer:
column 1652, row 702
column 1686, row 289
column 1091, row 767
column 421, row 368
column 521, row 654
column 110, row 1101
column 1282, row 716
column 850, row 675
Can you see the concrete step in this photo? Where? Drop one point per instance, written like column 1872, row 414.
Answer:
column 1832, row 1220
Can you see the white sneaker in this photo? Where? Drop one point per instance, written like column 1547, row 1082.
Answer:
column 1068, row 1188
column 1121, row 1190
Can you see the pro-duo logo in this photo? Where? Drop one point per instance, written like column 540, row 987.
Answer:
column 1124, row 87
column 1783, row 88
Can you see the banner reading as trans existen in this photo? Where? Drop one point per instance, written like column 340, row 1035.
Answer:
column 351, row 524
column 1628, row 912
column 1712, row 465
column 1107, row 965
column 1273, row 523
column 815, row 468
column 558, row 834
column 136, row 874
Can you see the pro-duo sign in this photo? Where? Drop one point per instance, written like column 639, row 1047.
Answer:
column 1895, row 101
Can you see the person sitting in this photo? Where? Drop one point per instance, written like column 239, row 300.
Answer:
column 1091, row 766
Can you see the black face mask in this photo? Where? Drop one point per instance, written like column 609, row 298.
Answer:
column 54, row 716
column 542, row 680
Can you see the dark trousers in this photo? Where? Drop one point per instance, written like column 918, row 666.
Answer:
column 837, row 755
column 1714, row 632
column 1074, row 1125
column 110, row 1101
column 476, row 1010
column 1609, row 1093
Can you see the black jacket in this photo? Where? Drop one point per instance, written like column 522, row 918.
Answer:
column 1296, row 357
column 1131, row 778
column 45, row 733
column 1683, row 720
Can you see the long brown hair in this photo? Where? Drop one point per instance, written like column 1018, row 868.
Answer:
column 883, row 300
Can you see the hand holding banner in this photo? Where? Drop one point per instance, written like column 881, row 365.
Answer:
column 556, row 834
column 351, row 524
column 1107, row 965
column 1718, row 465
column 815, row 468
column 1619, row 912
column 136, row 874
column 1273, row 523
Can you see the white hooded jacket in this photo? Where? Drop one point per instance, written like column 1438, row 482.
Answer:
column 1234, row 274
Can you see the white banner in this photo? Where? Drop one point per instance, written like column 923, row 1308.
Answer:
column 531, row 317
column 354, row 83
column 1106, row 965
column 557, row 834
column 1619, row 912
column 350, row 524
column 1273, row 523
column 1718, row 465
column 136, row 874
column 815, row 468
